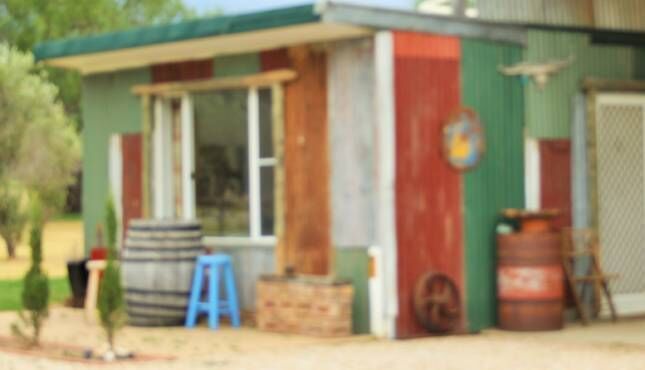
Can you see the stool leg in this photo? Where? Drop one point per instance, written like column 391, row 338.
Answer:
column 195, row 293
column 213, row 297
column 231, row 296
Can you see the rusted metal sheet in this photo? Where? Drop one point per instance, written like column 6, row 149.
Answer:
column 132, row 189
column 428, row 191
column 555, row 179
column 307, row 239
column 351, row 127
column 182, row 71
column 274, row 59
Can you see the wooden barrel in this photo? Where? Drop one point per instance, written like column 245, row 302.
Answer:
column 530, row 282
column 157, row 264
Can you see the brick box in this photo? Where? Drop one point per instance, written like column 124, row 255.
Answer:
column 308, row 306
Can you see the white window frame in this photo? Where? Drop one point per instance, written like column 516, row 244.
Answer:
column 255, row 163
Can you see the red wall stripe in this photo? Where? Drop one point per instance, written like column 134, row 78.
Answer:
column 428, row 191
column 555, row 179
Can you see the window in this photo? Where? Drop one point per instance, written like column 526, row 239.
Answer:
column 234, row 162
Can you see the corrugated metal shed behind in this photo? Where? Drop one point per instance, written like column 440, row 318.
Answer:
column 498, row 182
column 554, row 12
column 620, row 14
column 548, row 111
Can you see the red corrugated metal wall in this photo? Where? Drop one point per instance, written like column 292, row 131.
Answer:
column 428, row 191
column 555, row 178
column 132, row 192
column 182, row 71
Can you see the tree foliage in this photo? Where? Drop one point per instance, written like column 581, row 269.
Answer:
column 35, row 294
column 24, row 23
column 39, row 148
column 110, row 302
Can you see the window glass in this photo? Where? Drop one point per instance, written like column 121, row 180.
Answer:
column 267, row 195
column 266, row 123
column 221, row 162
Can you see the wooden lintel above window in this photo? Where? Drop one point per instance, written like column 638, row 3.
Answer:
column 255, row 80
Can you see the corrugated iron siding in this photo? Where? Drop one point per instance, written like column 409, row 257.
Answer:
column 620, row 14
column 560, row 12
column 548, row 111
column 428, row 190
column 498, row 182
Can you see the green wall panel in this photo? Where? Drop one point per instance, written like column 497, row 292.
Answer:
column 236, row 65
column 548, row 111
column 353, row 264
column 108, row 107
column 498, row 181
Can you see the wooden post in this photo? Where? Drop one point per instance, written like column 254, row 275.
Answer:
column 277, row 93
column 145, row 153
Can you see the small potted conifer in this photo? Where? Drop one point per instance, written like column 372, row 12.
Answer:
column 35, row 294
column 110, row 300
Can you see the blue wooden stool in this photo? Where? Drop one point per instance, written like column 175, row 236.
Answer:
column 219, row 265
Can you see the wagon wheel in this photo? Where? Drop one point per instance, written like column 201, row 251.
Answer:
column 437, row 304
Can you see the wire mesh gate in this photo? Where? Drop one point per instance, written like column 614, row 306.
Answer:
column 620, row 169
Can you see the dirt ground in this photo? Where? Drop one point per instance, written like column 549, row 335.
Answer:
column 62, row 241
column 601, row 346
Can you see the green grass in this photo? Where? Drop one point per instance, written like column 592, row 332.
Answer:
column 10, row 291
column 69, row 217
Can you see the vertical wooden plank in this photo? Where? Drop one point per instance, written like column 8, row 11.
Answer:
column 132, row 190
column 146, row 131
column 277, row 93
column 307, row 215
column 428, row 190
column 555, row 175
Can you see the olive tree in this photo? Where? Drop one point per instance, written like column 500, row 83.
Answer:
column 39, row 147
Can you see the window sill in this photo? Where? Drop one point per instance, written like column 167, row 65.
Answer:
column 241, row 242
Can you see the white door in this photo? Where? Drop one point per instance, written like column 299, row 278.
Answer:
column 620, row 121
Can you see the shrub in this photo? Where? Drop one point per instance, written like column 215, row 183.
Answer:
column 110, row 302
column 35, row 294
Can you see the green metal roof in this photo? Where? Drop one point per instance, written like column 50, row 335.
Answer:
column 193, row 29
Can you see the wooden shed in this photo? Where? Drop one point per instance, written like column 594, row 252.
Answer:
column 313, row 138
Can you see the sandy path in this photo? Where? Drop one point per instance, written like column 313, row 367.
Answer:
column 62, row 241
column 249, row 349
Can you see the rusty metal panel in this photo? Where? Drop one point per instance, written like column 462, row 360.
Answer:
column 555, row 179
column 428, row 190
column 132, row 189
column 351, row 130
column 307, row 214
column 182, row 71
column 549, row 111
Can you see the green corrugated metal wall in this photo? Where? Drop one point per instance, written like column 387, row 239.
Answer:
column 548, row 111
column 236, row 65
column 353, row 264
column 108, row 107
column 498, row 182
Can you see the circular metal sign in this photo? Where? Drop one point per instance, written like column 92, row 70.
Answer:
column 463, row 140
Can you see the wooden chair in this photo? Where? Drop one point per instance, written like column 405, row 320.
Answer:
column 583, row 243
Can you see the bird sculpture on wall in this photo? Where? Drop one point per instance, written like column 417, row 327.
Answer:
column 540, row 72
